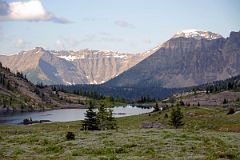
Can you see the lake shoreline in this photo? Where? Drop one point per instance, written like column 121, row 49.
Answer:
column 64, row 114
column 68, row 106
column 65, row 106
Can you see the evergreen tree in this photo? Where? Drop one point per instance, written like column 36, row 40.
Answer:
column 105, row 119
column 172, row 99
column 176, row 117
column 90, row 121
column 102, row 116
column 8, row 85
column 156, row 107
column 111, row 121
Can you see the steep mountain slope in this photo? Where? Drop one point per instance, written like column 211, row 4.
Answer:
column 189, row 58
column 70, row 67
column 18, row 94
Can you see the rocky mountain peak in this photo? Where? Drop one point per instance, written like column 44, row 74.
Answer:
column 184, row 62
column 197, row 34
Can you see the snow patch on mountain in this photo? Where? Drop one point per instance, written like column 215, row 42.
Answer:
column 68, row 58
column 92, row 55
column 197, row 34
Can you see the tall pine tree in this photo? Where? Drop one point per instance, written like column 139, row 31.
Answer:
column 90, row 121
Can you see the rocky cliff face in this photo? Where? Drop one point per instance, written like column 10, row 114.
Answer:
column 186, row 60
column 71, row 67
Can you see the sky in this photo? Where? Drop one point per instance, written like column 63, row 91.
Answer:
column 131, row 26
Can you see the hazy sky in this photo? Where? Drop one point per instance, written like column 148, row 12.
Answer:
column 118, row 25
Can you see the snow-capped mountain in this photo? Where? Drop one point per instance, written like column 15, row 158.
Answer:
column 200, row 57
column 197, row 34
column 71, row 67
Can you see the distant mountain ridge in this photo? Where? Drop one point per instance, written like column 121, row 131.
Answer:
column 71, row 67
column 188, row 59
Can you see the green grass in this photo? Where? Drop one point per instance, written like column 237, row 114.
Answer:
column 208, row 133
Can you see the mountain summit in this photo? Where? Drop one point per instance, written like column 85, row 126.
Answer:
column 184, row 62
column 197, row 34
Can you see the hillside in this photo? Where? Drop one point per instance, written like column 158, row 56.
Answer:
column 19, row 94
column 71, row 67
column 187, row 59
column 218, row 93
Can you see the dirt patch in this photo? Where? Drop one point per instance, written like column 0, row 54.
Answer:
column 152, row 125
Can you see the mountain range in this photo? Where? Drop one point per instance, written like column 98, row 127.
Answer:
column 189, row 58
column 71, row 67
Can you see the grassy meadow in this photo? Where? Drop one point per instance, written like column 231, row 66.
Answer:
column 208, row 133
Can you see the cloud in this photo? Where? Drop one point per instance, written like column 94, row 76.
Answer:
column 31, row 10
column 89, row 19
column 66, row 43
column 147, row 41
column 60, row 44
column 89, row 38
column 2, row 35
column 20, row 43
column 100, row 37
column 4, row 8
column 111, row 39
column 124, row 24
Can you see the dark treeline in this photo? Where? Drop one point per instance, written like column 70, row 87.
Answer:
column 223, row 85
column 147, row 94
column 145, row 99
column 130, row 93
column 87, row 93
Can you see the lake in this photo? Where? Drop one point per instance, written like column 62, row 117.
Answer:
column 65, row 115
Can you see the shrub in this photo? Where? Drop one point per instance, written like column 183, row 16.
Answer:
column 176, row 117
column 231, row 111
column 172, row 99
column 55, row 149
column 225, row 101
column 27, row 121
column 70, row 136
column 181, row 103
column 166, row 115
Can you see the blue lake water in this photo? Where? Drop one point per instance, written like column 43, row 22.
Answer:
column 65, row 115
